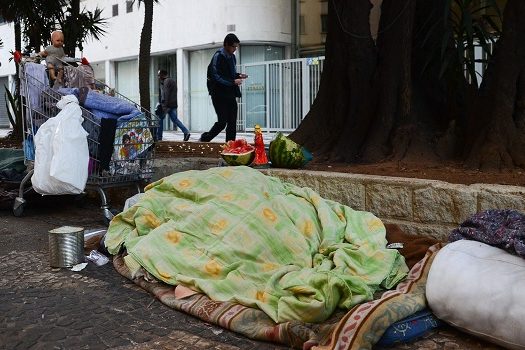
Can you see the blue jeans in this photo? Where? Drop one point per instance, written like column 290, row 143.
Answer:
column 172, row 112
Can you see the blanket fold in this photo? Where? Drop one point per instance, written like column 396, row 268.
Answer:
column 240, row 236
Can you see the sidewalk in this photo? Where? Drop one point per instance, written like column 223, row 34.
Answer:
column 169, row 135
column 52, row 308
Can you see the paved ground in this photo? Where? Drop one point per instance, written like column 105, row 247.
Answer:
column 48, row 308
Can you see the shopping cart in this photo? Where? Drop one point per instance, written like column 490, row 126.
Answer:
column 121, row 151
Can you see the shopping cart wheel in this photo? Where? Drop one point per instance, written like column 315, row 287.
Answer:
column 109, row 214
column 18, row 206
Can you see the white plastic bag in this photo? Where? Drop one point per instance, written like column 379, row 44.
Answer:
column 61, row 152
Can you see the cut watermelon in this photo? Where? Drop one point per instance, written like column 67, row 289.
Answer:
column 238, row 146
column 245, row 158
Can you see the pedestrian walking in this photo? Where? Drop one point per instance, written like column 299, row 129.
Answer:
column 168, row 104
column 223, row 83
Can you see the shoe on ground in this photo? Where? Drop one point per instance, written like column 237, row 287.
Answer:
column 187, row 136
column 203, row 137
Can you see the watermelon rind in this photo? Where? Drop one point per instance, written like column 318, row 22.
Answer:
column 285, row 153
column 235, row 159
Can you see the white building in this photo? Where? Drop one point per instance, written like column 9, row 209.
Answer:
column 185, row 35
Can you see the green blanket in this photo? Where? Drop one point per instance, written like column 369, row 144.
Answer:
column 238, row 235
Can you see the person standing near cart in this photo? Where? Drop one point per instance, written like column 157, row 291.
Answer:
column 168, row 104
column 223, row 83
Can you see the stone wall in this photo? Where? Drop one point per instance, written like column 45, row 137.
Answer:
column 420, row 207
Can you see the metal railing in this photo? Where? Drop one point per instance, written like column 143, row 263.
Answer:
column 278, row 94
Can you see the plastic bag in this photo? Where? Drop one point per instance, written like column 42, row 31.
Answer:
column 61, row 152
column 97, row 258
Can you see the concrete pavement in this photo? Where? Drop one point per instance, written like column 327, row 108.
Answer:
column 51, row 308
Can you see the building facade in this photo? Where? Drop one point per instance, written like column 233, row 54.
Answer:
column 185, row 36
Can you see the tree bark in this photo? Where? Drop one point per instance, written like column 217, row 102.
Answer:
column 17, row 133
column 144, row 55
column 72, row 29
column 393, row 82
column 18, row 47
column 383, row 100
column 497, row 129
column 339, row 115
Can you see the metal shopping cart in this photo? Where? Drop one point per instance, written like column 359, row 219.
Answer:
column 121, row 150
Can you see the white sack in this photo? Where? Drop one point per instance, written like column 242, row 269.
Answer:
column 61, row 151
column 479, row 289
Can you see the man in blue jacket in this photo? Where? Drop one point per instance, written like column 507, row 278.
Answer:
column 223, row 86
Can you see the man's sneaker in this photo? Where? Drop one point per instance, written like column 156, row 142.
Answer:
column 187, row 136
column 204, row 137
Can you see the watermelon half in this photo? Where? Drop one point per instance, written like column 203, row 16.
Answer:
column 245, row 158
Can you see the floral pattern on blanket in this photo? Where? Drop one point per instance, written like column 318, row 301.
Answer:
column 238, row 235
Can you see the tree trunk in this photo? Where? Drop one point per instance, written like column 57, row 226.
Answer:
column 498, row 127
column 339, row 117
column 378, row 101
column 72, row 30
column 392, row 83
column 144, row 55
column 18, row 47
column 17, row 133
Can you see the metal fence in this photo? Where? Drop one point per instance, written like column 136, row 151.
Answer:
column 278, row 94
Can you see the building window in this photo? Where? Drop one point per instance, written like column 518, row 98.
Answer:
column 302, row 29
column 129, row 6
column 324, row 21
column 115, row 10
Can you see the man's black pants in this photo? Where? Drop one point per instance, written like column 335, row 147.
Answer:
column 226, row 109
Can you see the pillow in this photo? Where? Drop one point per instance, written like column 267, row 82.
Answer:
column 479, row 289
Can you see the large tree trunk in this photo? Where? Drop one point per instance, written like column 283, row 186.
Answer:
column 393, row 104
column 498, row 128
column 339, row 117
column 144, row 55
column 378, row 101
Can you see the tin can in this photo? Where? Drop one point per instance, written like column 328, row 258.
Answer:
column 66, row 246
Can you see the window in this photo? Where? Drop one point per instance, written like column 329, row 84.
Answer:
column 115, row 10
column 324, row 20
column 129, row 6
